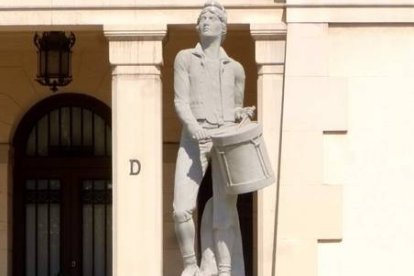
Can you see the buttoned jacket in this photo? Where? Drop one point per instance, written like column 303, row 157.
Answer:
column 192, row 97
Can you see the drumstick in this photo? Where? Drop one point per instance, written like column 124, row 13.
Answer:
column 246, row 119
column 243, row 122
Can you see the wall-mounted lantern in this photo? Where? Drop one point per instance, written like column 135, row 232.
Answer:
column 54, row 58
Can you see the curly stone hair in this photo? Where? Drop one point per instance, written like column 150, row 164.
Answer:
column 215, row 8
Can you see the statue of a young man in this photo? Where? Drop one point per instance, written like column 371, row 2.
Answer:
column 209, row 91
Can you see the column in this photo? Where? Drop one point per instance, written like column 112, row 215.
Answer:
column 135, row 53
column 270, row 41
column 5, row 209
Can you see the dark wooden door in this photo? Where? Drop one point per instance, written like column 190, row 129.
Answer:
column 62, row 189
column 67, row 223
column 86, row 224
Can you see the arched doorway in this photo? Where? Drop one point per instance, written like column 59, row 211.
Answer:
column 62, row 189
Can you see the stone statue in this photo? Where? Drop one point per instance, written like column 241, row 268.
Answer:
column 209, row 91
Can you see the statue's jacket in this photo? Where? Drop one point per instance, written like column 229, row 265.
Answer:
column 192, row 95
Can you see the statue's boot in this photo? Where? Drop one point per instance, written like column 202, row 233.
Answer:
column 191, row 270
column 224, row 240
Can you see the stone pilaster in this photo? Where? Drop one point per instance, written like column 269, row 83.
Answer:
column 270, row 41
column 135, row 53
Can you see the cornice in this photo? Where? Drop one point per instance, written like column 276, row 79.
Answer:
column 172, row 6
column 268, row 31
column 350, row 12
column 175, row 6
column 130, row 32
column 349, row 5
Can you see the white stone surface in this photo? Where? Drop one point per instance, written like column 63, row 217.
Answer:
column 124, row 3
column 270, row 52
column 94, row 17
column 329, row 259
column 351, row 2
column 137, row 205
column 307, row 54
column 322, row 102
column 301, row 158
column 377, row 234
column 314, row 104
column 334, row 12
column 335, row 158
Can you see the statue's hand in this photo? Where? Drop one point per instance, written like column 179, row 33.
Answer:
column 245, row 112
column 250, row 111
column 202, row 135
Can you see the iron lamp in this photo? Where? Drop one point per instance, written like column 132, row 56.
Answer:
column 54, row 58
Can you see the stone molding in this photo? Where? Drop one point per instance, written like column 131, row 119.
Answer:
column 350, row 13
column 278, row 69
column 268, row 31
column 270, row 42
column 349, row 3
column 30, row 16
column 94, row 18
column 135, row 33
column 133, row 70
column 151, row 4
column 135, row 44
column 173, row 5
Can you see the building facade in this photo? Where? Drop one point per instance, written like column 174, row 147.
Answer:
column 86, row 173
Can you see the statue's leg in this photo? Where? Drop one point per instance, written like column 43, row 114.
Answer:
column 224, row 240
column 185, row 232
column 192, row 162
column 225, row 221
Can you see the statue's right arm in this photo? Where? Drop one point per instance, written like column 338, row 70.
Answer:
column 182, row 93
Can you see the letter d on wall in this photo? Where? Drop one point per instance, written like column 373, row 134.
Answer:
column 135, row 167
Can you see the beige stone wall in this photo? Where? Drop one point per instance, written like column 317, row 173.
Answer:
column 348, row 107
column 18, row 68
column 377, row 153
column 309, row 208
column 349, row 11
column 114, row 3
column 87, row 16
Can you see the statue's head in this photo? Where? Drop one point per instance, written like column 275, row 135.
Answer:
column 212, row 20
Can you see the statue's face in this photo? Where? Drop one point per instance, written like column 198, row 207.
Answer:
column 210, row 25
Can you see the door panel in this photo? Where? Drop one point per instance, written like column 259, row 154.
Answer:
column 71, row 225
column 96, row 229
column 42, row 219
column 68, row 227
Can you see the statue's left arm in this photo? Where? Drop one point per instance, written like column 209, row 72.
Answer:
column 239, row 81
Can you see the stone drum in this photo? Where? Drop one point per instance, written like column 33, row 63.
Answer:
column 243, row 159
